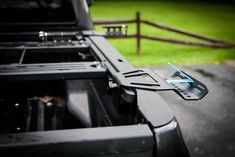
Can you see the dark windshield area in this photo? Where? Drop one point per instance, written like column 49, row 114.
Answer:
column 36, row 11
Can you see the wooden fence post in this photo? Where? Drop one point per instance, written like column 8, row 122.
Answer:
column 138, row 35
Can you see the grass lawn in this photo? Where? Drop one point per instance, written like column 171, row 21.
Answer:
column 210, row 18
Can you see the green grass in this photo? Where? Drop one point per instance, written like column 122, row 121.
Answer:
column 212, row 19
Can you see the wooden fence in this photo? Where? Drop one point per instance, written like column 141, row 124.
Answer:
column 209, row 42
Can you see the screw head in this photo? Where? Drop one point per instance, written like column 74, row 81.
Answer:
column 49, row 104
column 17, row 105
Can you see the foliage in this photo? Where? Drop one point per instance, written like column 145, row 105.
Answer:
column 212, row 19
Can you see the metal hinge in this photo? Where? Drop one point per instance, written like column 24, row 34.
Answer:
column 180, row 82
column 116, row 30
column 58, row 36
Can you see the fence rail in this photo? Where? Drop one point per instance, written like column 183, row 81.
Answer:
column 209, row 41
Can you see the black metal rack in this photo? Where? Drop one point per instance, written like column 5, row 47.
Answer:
column 48, row 61
column 180, row 82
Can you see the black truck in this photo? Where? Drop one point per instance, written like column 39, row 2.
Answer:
column 66, row 91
